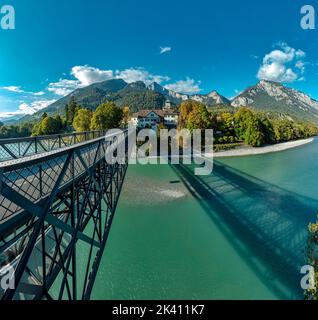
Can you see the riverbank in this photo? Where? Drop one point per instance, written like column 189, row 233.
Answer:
column 248, row 151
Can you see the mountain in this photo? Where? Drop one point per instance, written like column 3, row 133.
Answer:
column 91, row 96
column 211, row 99
column 275, row 97
column 136, row 95
column 173, row 96
column 10, row 120
column 265, row 96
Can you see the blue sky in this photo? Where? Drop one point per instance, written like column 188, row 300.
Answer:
column 189, row 46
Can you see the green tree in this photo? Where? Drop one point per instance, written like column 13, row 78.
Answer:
column 228, row 121
column 283, row 129
column 25, row 129
column 82, row 120
column 254, row 135
column 225, row 124
column 242, row 119
column 47, row 126
column 267, row 128
column 60, row 125
column 70, row 110
column 107, row 116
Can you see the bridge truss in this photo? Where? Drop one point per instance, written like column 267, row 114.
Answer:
column 56, row 211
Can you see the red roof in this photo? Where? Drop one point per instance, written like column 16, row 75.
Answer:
column 160, row 113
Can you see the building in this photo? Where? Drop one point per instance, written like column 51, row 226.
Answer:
column 169, row 105
column 153, row 118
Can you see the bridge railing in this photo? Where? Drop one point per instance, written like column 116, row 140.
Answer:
column 46, row 203
column 16, row 148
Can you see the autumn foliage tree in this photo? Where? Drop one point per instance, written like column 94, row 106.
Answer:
column 194, row 115
column 185, row 109
column 126, row 115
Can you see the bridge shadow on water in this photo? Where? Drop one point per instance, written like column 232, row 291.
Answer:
column 266, row 224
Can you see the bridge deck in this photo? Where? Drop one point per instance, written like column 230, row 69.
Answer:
column 61, row 190
column 24, row 147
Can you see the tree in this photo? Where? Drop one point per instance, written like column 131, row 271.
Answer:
column 194, row 115
column 47, row 126
column 227, row 124
column 70, row 110
column 25, row 129
column 253, row 134
column 283, row 129
column 185, row 109
column 267, row 128
column 107, row 116
column 82, row 120
column 126, row 115
column 60, row 125
column 36, row 130
column 241, row 121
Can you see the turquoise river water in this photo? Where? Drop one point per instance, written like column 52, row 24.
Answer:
column 239, row 233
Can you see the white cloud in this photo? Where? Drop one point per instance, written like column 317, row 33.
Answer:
column 301, row 66
column 18, row 89
column 165, row 50
column 189, row 86
column 87, row 75
column 300, row 54
column 277, row 64
column 63, row 87
column 84, row 76
column 12, row 89
column 139, row 74
column 40, row 93
column 28, row 109
column 34, row 106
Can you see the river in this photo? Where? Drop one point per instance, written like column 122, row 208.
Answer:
column 239, row 233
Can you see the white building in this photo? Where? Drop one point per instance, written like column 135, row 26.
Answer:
column 152, row 118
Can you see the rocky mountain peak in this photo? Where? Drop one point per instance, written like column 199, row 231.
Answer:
column 274, row 96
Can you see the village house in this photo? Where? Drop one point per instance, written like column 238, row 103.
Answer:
column 153, row 118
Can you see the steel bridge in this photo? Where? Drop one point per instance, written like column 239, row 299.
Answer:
column 58, row 197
